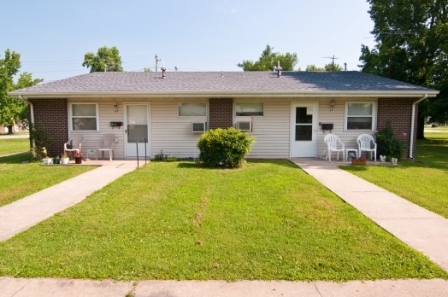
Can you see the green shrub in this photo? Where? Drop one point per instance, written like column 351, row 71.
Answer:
column 41, row 142
column 388, row 145
column 224, row 147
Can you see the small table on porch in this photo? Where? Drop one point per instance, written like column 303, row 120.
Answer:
column 348, row 150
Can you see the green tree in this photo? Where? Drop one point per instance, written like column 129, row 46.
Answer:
column 147, row 69
column 269, row 59
column 12, row 109
column 412, row 46
column 105, row 58
column 25, row 80
column 332, row 67
column 314, row 68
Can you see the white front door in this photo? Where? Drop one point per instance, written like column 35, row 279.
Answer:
column 137, row 131
column 304, row 130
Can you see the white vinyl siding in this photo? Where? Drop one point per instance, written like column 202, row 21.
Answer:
column 337, row 118
column 173, row 133
column 271, row 131
column 106, row 114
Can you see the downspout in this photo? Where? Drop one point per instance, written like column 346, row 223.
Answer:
column 31, row 117
column 413, row 124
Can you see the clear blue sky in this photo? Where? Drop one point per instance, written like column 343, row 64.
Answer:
column 53, row 36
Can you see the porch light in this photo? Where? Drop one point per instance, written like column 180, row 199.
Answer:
column 331, row 105
column 116, row 107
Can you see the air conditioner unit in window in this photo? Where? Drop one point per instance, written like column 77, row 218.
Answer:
column 199, row 127
column 244, row 126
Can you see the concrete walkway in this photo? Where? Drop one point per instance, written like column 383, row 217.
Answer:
column 27, row 212
column 15, row 136
column 46, row 287
column 421, row 229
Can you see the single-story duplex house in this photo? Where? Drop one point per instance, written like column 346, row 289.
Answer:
column 289, row 113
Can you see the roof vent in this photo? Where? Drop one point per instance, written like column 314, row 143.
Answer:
column 278, row 69
column 163, row 70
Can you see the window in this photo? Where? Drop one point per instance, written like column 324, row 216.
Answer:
column 192, row 109
column 249, row 109
column 359, row 116
column 84, row 116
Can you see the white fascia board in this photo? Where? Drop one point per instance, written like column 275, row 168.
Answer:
column 309, row 94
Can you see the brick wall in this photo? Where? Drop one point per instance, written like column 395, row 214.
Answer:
column 399, row 113
column 52, row 115
column 221, row 113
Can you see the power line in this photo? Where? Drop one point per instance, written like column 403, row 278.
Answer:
column 332, row 58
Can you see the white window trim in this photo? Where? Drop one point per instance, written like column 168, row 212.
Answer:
column 71, row 116
column 373, row 115
column 258, row 116
column 191, row 116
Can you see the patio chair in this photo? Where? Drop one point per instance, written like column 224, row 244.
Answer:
column 74, row 143
column 332, row 142
column 367, row 143
column 106, row 143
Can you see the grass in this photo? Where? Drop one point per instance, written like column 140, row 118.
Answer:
column 19, row 180
column 11, row 146
column 422, row 182
column 439, row 128
column 268, row 221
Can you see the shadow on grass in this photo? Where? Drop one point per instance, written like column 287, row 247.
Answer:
column 16, row 159
column 279, row 162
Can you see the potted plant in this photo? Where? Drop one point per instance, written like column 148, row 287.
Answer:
column 56, row 160
column 47, row 161
column 359, row 161
column 78, row 157
column 64, row 158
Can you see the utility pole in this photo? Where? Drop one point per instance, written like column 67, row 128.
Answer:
column 157, row 62
column 332, row 59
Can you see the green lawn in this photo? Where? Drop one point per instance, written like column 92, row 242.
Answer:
column 19, row 180
column 11, row 146
column 268, row 220
column 423, row 182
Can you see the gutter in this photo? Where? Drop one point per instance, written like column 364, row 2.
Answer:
column 222, row 94
column 413, row 124
column 31, row 108
column 31, row 116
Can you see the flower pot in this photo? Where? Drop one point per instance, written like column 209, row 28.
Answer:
column 359, row 162
column 78, row 160
column 56, row 160
column 47, row 161
column 64, row 160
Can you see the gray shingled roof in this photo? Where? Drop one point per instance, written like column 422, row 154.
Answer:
column 212, row 82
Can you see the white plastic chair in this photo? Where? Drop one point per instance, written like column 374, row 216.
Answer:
column 75, row 143
column 365, row 143
column 332, row 143
column 106, row 143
